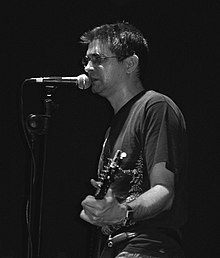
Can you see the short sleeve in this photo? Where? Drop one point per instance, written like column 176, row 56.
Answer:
column 162, row 136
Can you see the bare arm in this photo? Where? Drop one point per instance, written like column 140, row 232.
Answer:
column 147, row 205
column 159, row 198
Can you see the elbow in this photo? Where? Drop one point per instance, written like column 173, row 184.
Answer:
column 169, row 199
column 167, row 196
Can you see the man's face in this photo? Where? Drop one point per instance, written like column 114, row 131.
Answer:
column 107, row 74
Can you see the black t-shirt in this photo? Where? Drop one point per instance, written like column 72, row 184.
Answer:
column 150, row 129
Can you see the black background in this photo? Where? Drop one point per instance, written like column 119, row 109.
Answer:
column 41, row 38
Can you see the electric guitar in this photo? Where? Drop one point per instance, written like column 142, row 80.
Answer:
column 106, row 178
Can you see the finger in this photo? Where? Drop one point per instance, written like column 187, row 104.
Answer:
column 87, row 200
column 91, row 219
column 92, row 206
column 96, row 184
column 84, row 216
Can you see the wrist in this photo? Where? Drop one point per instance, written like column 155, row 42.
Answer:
column 129, row 216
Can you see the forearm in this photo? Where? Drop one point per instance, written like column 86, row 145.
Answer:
column 152, row 202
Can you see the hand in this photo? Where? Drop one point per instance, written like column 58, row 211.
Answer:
column 102, row 212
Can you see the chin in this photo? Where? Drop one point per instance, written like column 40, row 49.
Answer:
column 97, row 87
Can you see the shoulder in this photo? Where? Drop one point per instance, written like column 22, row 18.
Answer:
column 153, row 101
column 151, row 97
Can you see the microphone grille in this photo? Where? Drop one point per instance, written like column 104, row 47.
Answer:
column 83, row 82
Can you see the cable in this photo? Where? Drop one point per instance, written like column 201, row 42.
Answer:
column 28, row 211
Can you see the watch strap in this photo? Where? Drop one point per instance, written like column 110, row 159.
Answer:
column 129, row 217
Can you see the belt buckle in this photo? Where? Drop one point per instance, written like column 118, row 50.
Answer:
column 120, row 237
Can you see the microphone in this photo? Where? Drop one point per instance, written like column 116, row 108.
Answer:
column 82, row 81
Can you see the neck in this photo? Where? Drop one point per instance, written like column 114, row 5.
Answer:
column 121, row 97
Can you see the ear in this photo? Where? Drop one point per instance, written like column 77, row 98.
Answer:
column 131, row 63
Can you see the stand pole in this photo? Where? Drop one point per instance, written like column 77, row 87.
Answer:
column 37, row 125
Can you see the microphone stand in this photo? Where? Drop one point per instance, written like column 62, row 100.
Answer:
column 38, row 125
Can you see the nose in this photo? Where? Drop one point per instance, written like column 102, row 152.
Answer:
column 88, row 67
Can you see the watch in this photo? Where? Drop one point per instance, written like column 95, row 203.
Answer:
column 129, row 217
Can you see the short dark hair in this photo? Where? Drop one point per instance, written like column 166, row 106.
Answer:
column 124, row 40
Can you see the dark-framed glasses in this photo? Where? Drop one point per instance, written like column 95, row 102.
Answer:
column 96, row 59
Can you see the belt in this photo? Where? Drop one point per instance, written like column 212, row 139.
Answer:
column 126, row 235
column 120, row 237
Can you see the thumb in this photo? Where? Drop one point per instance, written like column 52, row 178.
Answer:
column 109, row 195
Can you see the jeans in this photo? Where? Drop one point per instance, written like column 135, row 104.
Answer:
column 129, row 255
column 135, row 255
column 109, row 253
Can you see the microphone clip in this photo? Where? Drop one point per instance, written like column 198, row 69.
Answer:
column 38, row 124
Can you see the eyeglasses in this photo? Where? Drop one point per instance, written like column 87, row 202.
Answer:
column 96, row 59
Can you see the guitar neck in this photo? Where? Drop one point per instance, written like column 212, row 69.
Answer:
column 108, row 174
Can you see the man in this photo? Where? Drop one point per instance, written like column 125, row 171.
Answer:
column 143, row 208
